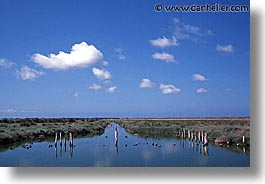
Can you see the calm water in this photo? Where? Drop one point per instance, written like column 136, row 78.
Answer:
column 128, row 150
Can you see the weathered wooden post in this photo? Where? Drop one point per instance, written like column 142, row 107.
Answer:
column 195, row 136
column 116, row 139
column 184, row 133
column 205, row 139
column 55, row 140
column 60, row 138
column 64, row 140
column 199, row 136
column 70, row 139
column 192, row 135
column 116, row 134
column 188, row 134
column 243, row 139
column 202, row 136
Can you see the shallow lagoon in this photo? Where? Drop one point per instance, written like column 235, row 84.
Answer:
column 127, row 151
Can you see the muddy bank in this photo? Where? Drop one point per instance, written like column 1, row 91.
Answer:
column 32, row 129
column 234, row 128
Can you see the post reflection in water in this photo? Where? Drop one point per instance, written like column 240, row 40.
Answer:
column 198, row 146
column 116, row 147
column 55, row 150
column 61, row 151
column 116, row 140
column 71, row 146
column 205, row 150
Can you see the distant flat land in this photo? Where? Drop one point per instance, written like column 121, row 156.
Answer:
column 232, row 127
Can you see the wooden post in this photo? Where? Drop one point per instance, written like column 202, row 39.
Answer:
column 184, row 133
column 60, row 138
column 116, row 134
column 189, row 134
column 70, row 139
column 205, row 139
column 55, row 140
column 202, row 136
column 192, row 135
column 243, row 139
column 199, row 135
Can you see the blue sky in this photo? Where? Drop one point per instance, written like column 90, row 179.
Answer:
column 121, row 58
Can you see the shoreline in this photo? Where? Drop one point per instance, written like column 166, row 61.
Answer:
column 14, row 130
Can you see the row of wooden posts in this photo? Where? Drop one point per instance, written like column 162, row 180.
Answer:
column 197, row 136
column 60, row 139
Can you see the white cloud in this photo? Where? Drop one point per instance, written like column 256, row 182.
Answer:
column 199, row 77
column 120, row 54
column 227, row 89
column 147, row 83
column 81, row 55
column 118, row 50
column 184, row 31
column 111, row 89
column 192, row 29
column 169, row 89
column 201, row 90
column 164, row 42
column 27, row 73
column 105, row 63
column 121, row 57
column 7, row 110
column 164, row 56
column 225, row 48
column 76, row 94
column 16, row 111
column 95, row 87
column 101, row 74
column 210, row 33
column 5, row 63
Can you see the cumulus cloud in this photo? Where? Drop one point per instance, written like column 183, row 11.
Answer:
column 199, row 77
column 27, row 73
column 5, row 63
column 95, row 87
column 111, row 89
column 225, row 48
column 147, row 83
column 164, row 42
column 169, row 89
column 164, row 56
column 201, row 90
column 81, row 55
column 101, row 74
